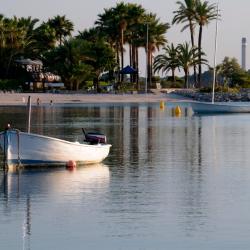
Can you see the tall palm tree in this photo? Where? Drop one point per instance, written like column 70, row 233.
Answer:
column 114, row 20
column 204, row 13
column 121, row 12
column 17, row 41
column 28, row 24
column 45, row 38
column 108, row 26
column 136, row 15
column 187, row 57
column 156, row 39
column 186, row 14
column 63, row 27
column 125, row 23
column 92, row 34
column 168, row 61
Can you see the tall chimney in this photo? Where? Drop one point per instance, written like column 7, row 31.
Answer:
column 243, row 53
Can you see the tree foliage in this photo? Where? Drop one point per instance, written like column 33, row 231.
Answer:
column 195, row 13
column 232, row 74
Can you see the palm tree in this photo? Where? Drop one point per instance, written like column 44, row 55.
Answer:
column 121, row 13
column 115, row 20
column 204, row 13
column 101, row 59
column 187, row 57
column 136, row 15
column 91, row 35
column 16, row 40
column 68, row 61
column 45, row 38
column 125, row 23
column 168, row 61
column 78, row 60
column 63, row 27
column 156, row 39
column 107, row 24
column 186, row 14
column 28, row 24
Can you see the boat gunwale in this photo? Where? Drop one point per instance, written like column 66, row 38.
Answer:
column 222, row 104
column 100, row 145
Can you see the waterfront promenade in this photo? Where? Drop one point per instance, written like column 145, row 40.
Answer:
column 77, row 98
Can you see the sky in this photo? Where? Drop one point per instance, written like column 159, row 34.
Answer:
column 234, row 23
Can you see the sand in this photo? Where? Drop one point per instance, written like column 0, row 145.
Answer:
column 20, row 99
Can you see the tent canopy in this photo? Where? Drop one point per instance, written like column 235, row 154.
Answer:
column 128, row 70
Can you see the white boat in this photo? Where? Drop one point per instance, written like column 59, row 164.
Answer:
column 209, row 107
column 22, row 148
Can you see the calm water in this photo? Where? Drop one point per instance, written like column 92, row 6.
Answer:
column 169, row 183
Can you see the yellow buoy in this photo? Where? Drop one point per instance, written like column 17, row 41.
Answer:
column 162, row 105
column 177, row 111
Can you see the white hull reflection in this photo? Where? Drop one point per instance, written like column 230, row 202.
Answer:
column 55, row 182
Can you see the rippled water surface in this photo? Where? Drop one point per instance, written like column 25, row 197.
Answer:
column 168, row 183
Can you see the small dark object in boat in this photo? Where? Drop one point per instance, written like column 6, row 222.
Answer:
column 94, row 137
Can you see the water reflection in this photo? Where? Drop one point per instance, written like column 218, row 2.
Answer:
column 53, row 182
column 167, row 179
column 24, row 189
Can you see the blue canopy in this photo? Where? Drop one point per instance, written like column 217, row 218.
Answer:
column 128, row 70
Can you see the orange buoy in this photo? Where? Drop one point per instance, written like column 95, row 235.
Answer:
column 71, row 165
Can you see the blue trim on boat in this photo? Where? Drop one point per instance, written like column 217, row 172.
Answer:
column 34, row 162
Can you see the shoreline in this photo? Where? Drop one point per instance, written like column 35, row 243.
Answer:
column 20, row 99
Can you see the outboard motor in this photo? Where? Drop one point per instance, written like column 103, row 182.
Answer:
column 94, row 137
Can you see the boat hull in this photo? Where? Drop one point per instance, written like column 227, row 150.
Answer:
column 203, row 107
column 31, row 149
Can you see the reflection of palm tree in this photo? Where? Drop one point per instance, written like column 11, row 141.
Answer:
column 204, row 13
column 168, row 61
column 27, row 224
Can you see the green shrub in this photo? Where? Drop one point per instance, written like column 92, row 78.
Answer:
column 9, row 84
column 155, row 79
column 170, row 84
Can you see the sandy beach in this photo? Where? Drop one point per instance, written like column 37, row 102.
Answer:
column 47, row 98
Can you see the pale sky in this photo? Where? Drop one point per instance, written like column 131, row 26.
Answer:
column 234, row 24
